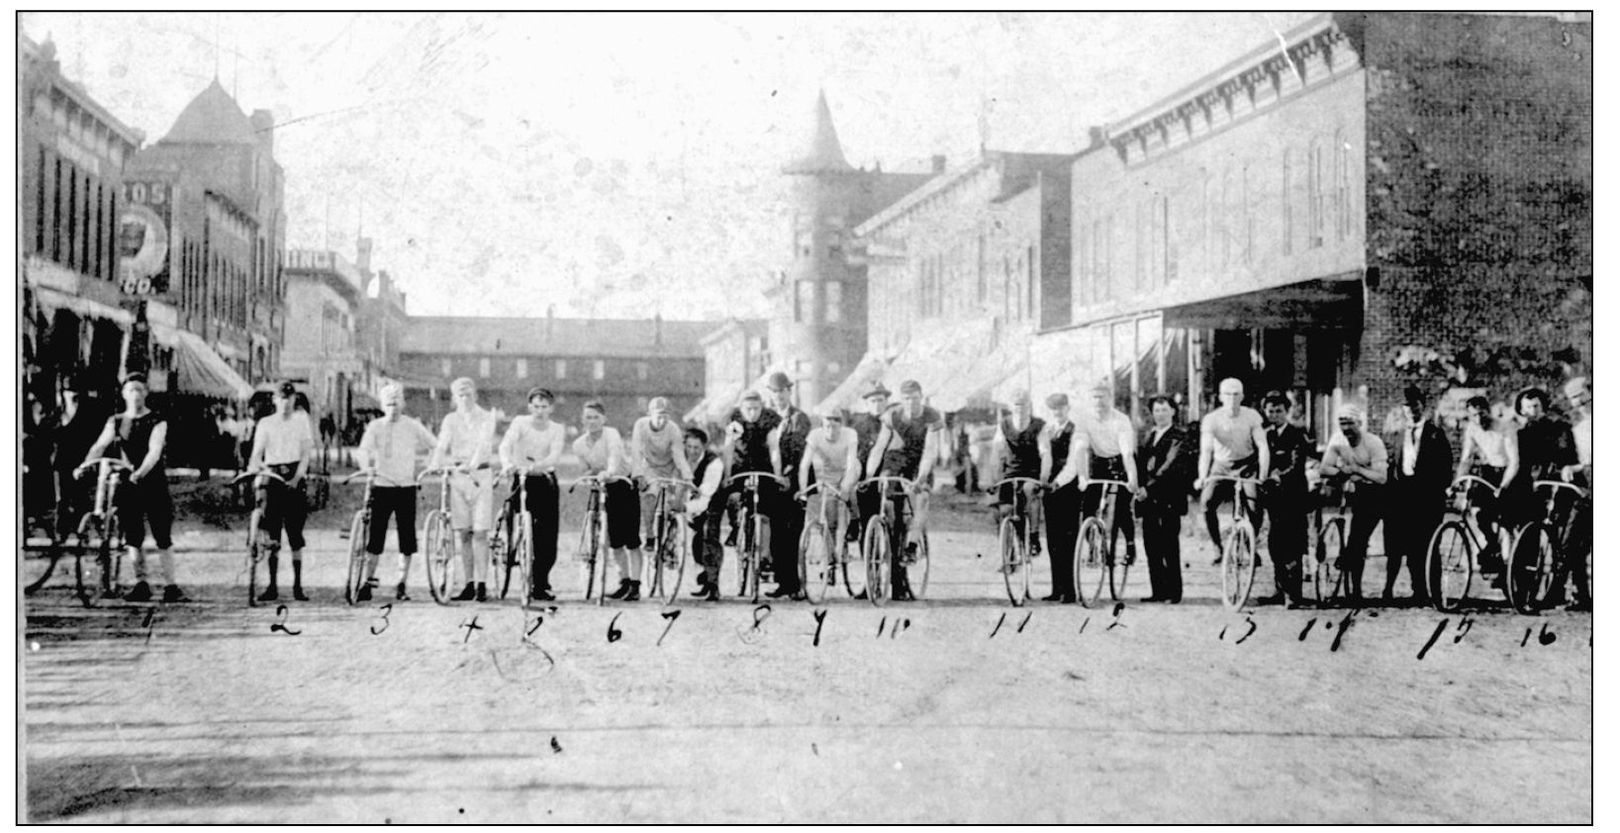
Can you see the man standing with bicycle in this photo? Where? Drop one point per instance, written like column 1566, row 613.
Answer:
column 1419, row 475
column 1285, row 498
column 705, row 508
column 1578, row 391
column 1359, row 459
column 1105, row 449
column 283, row 443
column 1062, row 504
column 1546, row 451
column 789, row 441
column 829, row 457
column 751, row 446
column 600, row 448
column 1019, row 448
column 907, row 446
column 867, row 426
column 534, row 442
column 1231, row 443
column 389, row 448
column 656, row 451
column 466, row 444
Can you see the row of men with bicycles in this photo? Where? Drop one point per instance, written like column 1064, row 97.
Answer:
column 1098, row 472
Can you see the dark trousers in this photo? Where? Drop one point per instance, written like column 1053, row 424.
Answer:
column 1408, row 525
column 787, row 523
column 73, row 500
column 284, row 506
column 1287, row 538
column 1577, row 546
column 1366, row 510
column 399, row 501
column 867, row 501
column 146, row 504
column 1112, row 468
column 1062, row 528
column 542, row 508
column 1161, row 536
column 706, row 549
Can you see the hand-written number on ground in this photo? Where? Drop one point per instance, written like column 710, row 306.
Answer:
column 671, row 616
column 385, row 609
column 1248, row 619
column 1463, row 627
column 1546, row 637
column 280, row 625
column 613, row 633
column 821, row 619
column 1434, row 637
column 470, row 626
column 1119, row 608
column 150, row 612
column 899, row 625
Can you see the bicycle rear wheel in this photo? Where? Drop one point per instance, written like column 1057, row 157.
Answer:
column 1119, row 566
column 1014, row 562
column 1090, row 563
column 1449, row 566
column 437, row 564
column 356, row 576
column 1531, row 567
column 254, row 555
column 815, row 570
column 1327, row 581
column 1237, row 565
column 877, row 561
column 670, row 561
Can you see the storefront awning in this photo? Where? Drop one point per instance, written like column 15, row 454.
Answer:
column 198, row 369
column 53, row 299
column 1327, row 304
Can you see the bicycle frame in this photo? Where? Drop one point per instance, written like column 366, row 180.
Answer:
column 101, row 514
column 1237, row 574
column 748, row 569
column 596, row 524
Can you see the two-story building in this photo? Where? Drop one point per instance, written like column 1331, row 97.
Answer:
column 1379, row 200
column 958, row 273
column 324, row 291
column 622, row 362
column 71, row 157
column 735, row 354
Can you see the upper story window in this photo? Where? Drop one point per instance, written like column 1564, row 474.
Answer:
column 642, row 371
column 445, row 366
column 835, row 301
column 562, row 368
column 483, row 367
column 521, row 367
column 598, row 369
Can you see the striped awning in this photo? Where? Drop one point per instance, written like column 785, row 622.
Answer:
column 198, row 369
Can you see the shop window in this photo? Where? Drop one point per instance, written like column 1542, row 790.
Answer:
column 835, row 303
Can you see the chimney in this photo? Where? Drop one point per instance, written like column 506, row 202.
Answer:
column 939, row 163
column 264, row 127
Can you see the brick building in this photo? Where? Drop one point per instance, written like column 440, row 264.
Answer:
column 1390, row 198
column 622, row 362
column 959, row 273
column 71, row 157
column 214, row 185
column 819, row 316
column 324, row 291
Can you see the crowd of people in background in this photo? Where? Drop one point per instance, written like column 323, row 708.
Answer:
column 1400, row 477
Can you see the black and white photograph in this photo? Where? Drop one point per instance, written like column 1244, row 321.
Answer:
column 804, row 417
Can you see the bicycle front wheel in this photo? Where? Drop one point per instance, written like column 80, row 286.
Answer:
column 587, row 554
column 917, row 573
column 112, row 556
column 500, row 542
column 437, row 565
column 1530, row 568
column 1090, row 563
column 878, row 564
column 254, row 556
column 1119, row 566
column 521, row 558
column 1449, row 566
column 90, row 544
column 815, row 569
column 852, row 567
column 761, row 547
column 1327, row 581
column 356, row 577
column 1014, row 563
column 1237, row 566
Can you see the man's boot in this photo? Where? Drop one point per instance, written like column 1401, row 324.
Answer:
column 270, row 594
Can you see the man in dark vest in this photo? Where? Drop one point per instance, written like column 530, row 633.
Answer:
column 907, row 446
column 1017, row 445
column 867, row 427
column 1062, row 504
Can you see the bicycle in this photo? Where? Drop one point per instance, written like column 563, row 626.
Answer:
column 98, row 531
column 593, row 542
column 1538, row 555
column 258, row 543
column 756, row 542
column 1454, row 547
column 359, row 531
column 670, row 545
column 1096, row 549
column 881, row 539
column 437, row 533
column 511, row 541
column 1238, row 560
column 822, row 556
column 1017, row 551
column 1325, row 582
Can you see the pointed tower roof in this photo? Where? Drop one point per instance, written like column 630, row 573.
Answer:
column 212, row 117
column 823, row 153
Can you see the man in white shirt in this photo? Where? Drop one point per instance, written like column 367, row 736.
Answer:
column 283, row 444
column 830, row 457
column 656, row 451
column 466, row 445
column 389, row 448
column 1105, row 449
column 1359, row 458
column 534, row 442
column 1231, row 443
column 601, row 450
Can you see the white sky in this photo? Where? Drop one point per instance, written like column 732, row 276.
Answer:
column 619, row 165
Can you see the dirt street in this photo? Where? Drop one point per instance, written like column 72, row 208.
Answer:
column 959, row 709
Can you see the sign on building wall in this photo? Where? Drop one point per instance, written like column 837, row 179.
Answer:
column 143, row 238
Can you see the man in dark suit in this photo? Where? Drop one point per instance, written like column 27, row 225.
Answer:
column 1164, row 464
column 1419, row 473
column 1284, row 496
column 72, row 431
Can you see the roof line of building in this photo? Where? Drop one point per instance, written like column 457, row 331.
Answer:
column 82, row 97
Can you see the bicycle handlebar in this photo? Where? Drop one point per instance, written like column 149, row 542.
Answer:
column 1038, row 483
column 263, row 473
column 116, row 463
column 1104, row 482
column 599, row 480
column 780, row 480
column 1235, row 479
column 667, row 482
column 906, row 482
column 1463, row 481
column 822, row 486
column 1558, row 484
column 363, row 474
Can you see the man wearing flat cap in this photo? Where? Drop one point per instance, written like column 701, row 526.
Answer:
column 283, row 444
column 907, row 446
column 867, row 425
